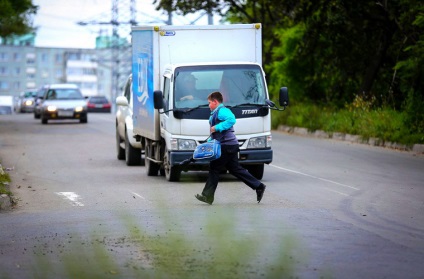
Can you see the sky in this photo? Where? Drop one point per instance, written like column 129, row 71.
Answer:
column 56, row 20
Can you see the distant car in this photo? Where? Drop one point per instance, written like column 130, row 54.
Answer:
column 26, row 101
column 63, row 101
column 38, row 101
column 98, row 104
column 127, row 147
column 6, row 104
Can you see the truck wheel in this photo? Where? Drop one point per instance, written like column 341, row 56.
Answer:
column 256, row 170
column 172, row 173
column 120, row 152
column 152, row 168
column 132, row 155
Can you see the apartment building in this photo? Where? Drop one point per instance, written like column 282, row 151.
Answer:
column 26, row 67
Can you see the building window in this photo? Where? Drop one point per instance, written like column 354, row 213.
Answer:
column 31, row 75
column 4, row 85
column 17, row 57
column 88, row 71
column 58, row 58
column 59, row 73
column 3, row 71
column 30, row 58
column 44, row 58
column 3, row 56
column 73, row 56
column 17, row 71
column 30, row 61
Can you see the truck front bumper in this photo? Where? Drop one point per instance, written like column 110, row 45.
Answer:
column 246, row 156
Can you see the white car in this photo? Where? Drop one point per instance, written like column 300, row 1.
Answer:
column 127, row 147
column 26, row 102
column 6, row 104
column 63, row 101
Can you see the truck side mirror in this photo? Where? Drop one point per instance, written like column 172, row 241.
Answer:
column 284, row 97
column 158, row 99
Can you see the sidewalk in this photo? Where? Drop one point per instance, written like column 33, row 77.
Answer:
column 416, row 148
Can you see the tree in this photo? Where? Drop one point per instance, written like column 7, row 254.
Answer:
column 16, row 17
column 272, row 14
column 332, row 50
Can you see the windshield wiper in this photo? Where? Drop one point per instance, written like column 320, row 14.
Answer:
column 199, row 106
column 180, row 110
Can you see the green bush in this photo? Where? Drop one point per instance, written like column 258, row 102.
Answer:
column 4, row 178
column 358, row 118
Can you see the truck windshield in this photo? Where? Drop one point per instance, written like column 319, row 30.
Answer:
column 239, row 84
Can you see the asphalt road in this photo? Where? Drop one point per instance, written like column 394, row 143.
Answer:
column 331, row 210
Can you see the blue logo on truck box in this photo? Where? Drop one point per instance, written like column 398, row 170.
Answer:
column 142, row 72
column 142, row 78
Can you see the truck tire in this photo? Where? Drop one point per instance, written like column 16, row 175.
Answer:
column 256, row 170
column 172, row 173
column 152, row 168
column 120, row 152
column 132, row 155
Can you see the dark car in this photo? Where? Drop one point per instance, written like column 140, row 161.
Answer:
column 38, row 99
column 98, row 104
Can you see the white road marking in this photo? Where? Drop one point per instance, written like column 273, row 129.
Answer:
column 138, row 195
column 316, row 177
column 73, row 197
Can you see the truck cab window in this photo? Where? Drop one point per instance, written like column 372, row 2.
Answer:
column 166, row 86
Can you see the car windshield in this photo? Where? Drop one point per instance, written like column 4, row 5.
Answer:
column 98, row 100
column 30, row 94
column 64, row 94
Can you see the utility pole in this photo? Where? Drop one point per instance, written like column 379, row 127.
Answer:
column 123, row 16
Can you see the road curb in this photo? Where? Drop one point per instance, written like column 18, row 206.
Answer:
column 5, row 202
column 416, row 148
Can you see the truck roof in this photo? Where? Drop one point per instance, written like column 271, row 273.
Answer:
column 197, row 27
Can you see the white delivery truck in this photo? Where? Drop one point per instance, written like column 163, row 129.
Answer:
column 170, row 120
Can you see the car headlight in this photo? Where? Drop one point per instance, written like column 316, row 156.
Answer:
column 260, row 142
column 183, row 144
column 28, row 103
column 51, row 108
column 79, row 109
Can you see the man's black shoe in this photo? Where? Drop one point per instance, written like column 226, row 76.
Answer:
column 204, row 199
column 260, row 192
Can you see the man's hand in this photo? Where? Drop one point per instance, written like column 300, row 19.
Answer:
column 213, row 130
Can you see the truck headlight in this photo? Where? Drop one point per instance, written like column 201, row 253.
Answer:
column 183, row 144
column 260, row 142
column 79, row 109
